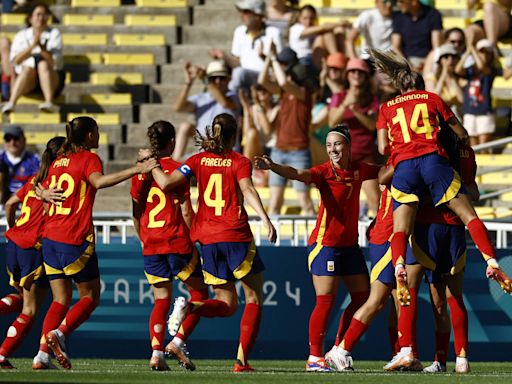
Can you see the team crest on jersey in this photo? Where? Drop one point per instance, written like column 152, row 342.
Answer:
column 330, row 266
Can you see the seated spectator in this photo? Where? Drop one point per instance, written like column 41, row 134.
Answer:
column 17, row 164
column 495, row 26
column 36, row 52
column 280, row 15
column 296, row 90
column 454, row 36
column 416, row 31
column 251, row 42
column 444, row 81
column 313, row 42
column 375, row 26
column 206, row 105
column 358, row 107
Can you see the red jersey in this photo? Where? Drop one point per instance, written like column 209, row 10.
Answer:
column 412, row 121
column 29, row 227
column 427, row 213
column 221, row 216
column 162, row 227
column 71, row 221
column 338, row 215
column 382, row 227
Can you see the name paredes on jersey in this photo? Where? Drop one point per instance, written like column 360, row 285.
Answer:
column 216, row 162
column 64, row 162
column 401, row 99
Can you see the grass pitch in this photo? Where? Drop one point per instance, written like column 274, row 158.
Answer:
column 219, row 371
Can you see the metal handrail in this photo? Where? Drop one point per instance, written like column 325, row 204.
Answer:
column 492, row 144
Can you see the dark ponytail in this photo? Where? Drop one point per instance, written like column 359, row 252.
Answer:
column 76, row 133
column 160, row 133
column 49, row 155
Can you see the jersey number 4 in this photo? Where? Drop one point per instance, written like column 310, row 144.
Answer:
column 420, row 112
column 214, row 184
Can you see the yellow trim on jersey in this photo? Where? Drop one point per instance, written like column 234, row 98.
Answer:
column 388, row 204
column 209, row 279
column 403, row 197
column 451, row 191
column 83, row 189
column 79, row 264
column 26, row 281
column 51, row 271
column 459, row 264
column 245, row 267
column 319, row 239
column 152, row 279
column 12, row 282
column 380, row 265
column 185, row 273
column 421, row 256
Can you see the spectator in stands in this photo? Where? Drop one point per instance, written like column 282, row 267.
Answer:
column 358, row 107
column 454, row 36
column 280, row 14
column 444, row 81
column 17, row 164
column 375, row 25
column 477, row 109
column 313, row 42
column 36, row 52
column 416, row 30
column 216, row 99
column 251, row 42
column 496, row 24
column 293, row 123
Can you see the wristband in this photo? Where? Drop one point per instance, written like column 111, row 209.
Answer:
column 400, row 265
column 493, row 263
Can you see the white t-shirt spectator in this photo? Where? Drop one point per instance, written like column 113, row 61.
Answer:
column 375, row 29
column 246, row 48
column 302, row 46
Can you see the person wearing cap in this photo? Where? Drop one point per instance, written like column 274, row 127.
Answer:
column 17, row 164
column 375, row 26
column 444, row 81
column 251, row 42
column 216, row 99
column 477, row 66
column 334, row 255
column 358, row 107
column 296, row 89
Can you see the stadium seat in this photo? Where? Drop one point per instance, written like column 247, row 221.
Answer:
column 34, row 118
column 455, row 22
column 486, row 212
column 506, row 196
column 129, row 58
column 9, row 35
column 451, row 5
column 42, row 138
column 35, row 99
column 500, row 82
column 107, row 98
column 101, row 118
column 12, row 19
column 145, row 39
column 353, row 4
column 161, row 3
column 150, row 20
column 318, row 4
column 498, row 178
column 111, row 78
column 95, row 3
column 88, row 20
column 335, row 19
column 84, row 39
column 501, row 160
column 83, row 58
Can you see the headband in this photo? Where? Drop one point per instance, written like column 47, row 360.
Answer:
column 344, row 135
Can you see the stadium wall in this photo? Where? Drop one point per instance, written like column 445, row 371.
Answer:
column 119, row 326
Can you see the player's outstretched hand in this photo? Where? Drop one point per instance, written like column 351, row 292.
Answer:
column 500, row 277
column 263, row 162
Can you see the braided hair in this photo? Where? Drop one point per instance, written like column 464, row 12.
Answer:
column 160, row 134
column 219, row 137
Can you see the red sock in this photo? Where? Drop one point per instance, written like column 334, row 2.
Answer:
column 354, row 332
column 211, row 308
column 393, row 340
column 442, row 341
column 192, row 319
column 318, row 323
column 56, row 313
column 12, row 303
column 398, row 247
column 16, row 333
column 157, row 323
column 480, row 237
column 77, row 314
column 357, row 300
column 459, row 316
column 249, row 328
column 407, row 321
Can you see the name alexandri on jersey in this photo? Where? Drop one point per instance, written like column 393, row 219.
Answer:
column 403, row 99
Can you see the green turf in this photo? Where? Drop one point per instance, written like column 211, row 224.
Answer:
column 219, row 371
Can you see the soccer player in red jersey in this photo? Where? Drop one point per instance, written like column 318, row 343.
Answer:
column 162, row 220
column 334, row 253
column 24, row 260
column 221, row 226
column 68, row 234
column 407, row 129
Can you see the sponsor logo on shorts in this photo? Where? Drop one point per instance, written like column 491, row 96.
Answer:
column 330, row 266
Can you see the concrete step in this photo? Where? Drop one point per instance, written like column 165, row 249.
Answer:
column 217, row 15
column 168, row 93
column 81, row 73
column 128, row 152
column 114, row 199
column 161, row 54
column 198, row 34
column 74, row 91
column 197, row 54
column 172, row 73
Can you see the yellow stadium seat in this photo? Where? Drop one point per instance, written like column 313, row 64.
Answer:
column 486, row 212
column 88, row 20
column 34, row 99
column 83, row 58
column 316, row 3
column 129, row 59
column 111, row 78
column 502, row 212
column 455, row 22
column 501, row 178
column 447, row 5
column 34, row 118
column 335, row 19
column 353, row 4
column 43, row 137
column 107, row 98
column 501, row 160
column 500, row 82
column 506, row 196
column 139, row 39
column 9, row 35
column 84, row 39
column 161, row 3
column 101, row 118
column 12, row 18
column 150, row 20
column 95, row 3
